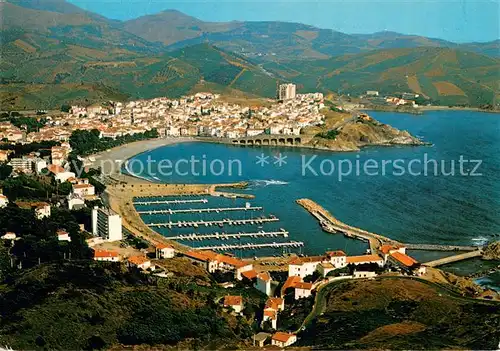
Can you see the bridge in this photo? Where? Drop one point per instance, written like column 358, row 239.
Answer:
column 265, row 140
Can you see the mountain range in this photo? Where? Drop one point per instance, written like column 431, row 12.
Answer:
column 54, row 52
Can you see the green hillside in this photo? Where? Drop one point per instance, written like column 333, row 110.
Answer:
column 54, row 52
column 446, row 76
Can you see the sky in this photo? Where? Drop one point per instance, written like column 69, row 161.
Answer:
column 453, row 20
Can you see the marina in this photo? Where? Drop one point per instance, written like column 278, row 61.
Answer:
column 222, row 222
column 225, row 236
column 170, row 202
column 202, row 210
column 251, row 246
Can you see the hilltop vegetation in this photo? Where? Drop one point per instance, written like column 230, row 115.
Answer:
column 447, row 76
column 86, row 305
column 400, row 314
column 54, row 52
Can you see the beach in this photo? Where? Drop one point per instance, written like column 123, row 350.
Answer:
column 111, row 161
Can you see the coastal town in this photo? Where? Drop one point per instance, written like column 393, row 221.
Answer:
column 115, row 233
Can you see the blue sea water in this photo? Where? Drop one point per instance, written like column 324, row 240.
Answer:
column 442, row 209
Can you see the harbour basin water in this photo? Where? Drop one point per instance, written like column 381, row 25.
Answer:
column 439, row 209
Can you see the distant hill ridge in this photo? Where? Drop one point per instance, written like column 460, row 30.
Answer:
column 55, row 52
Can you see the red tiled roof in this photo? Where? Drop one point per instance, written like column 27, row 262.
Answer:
column 301, row 285
column 274, row 303
column 308, row 259
column 404, row 259
column 264, row 276
column 233, row 300
column 290, row 282
column 161, row 246
column 386, row 248
column 338, row 253
column 55, row 169
column 105, row 253
column 363, row 258
column 138, row 260
column 251, row 274
column 282, row 337
column 270, row 313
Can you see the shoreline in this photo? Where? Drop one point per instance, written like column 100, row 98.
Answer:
column 422, row 109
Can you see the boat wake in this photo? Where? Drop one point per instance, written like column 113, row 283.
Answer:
column 479, row 241
column 264, row 183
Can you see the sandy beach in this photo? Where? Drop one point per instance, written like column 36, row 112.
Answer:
column 111, row 160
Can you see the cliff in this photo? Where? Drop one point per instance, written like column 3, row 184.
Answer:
column 346, row 132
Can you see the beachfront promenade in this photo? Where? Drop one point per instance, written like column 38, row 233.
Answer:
column 331, row 224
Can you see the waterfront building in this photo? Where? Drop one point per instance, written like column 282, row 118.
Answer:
column 364, row 259
column 287, row 91
column 107, row 224
column 304, row 266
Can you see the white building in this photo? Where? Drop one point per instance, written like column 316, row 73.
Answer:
column 4, row 201
column 140, row 262
column 263, row 283
column 235, row 302
column 83, row 188
column 281, row 339
column 63, row 235
column 304, row 266
column 107, row 224
column 287, row 91
column 164, row 251
column 75, row 202
column 105, row 255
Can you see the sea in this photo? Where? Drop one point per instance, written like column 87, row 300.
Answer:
column 447, row 192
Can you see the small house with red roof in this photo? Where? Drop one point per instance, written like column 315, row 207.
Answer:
column 106, row 255
column 141, row 262
column 164, row 251
column 235, row 302
column 282, row 339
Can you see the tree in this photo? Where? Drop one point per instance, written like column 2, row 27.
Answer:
column 5, row 171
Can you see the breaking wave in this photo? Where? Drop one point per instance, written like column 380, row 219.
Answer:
column 264, row 183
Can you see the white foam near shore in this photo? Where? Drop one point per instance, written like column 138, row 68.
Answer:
column 479, row 241
column 264, row 182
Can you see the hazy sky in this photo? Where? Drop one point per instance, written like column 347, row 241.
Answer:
column 455, row 20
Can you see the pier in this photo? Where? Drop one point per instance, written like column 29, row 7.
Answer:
column 250, row 246
column 331, row 224
column 221, row 222
column 454, row 258
column 202, row 210
column 225, row 236
column 437, row 247
column 169, row 202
